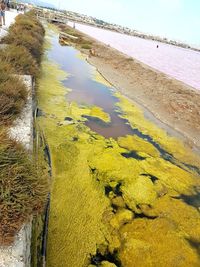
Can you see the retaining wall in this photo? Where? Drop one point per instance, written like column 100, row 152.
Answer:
column 19, row 254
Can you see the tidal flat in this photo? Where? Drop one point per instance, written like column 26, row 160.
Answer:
column 128, row 199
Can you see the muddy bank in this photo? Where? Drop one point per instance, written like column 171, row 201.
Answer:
column 171, row 101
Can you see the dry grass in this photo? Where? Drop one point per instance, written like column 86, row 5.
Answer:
column 28, row 32
column 23, row 188
column 24, row 39
column 13, row 93
column 86, row 46
column 22, row 56
column 82, row 40
column 69, row 30
column 20, row 59
column 23, row 183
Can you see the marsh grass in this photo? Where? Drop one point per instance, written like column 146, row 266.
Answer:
column 82, row 40
column 69, row 30
column 23, row 181
column 13, row 93
column 86, row 46
column 22, row 56
column 23, row 188
column 28, row 32
column 20, row 59
column 28, row 41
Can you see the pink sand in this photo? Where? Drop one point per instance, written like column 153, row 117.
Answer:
column 182, row 64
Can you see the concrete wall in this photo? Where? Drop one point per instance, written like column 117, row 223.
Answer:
column 19, row 254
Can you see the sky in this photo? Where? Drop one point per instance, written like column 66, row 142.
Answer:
column 175, row 19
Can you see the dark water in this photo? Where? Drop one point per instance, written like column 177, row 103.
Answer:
column 86, row 91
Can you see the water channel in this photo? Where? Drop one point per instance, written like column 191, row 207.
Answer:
column 124, row 193
column 87, row 91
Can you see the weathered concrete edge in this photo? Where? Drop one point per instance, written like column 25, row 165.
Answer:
column 19, row 254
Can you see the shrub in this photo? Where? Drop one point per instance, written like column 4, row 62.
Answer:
column 27, row 40
column 69, row 30
column 23, row 182
column 27, row 31
column 20, row 59
column 30, row 23
column 23, row 188
column 13, row 93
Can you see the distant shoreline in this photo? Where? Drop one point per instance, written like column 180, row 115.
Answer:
column 140, row 35
column 90, row 21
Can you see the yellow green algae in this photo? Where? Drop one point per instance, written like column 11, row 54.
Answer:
column 104, row 202
column 81, row 56
column 72, row 181
column 97, row 77
column 171, row 144
column 97, row 112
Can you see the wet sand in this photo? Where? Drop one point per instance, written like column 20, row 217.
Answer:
column 172, row 102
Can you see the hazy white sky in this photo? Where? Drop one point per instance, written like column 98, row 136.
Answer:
column 178, row 19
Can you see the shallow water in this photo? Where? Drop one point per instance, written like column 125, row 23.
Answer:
column 87, row 91
column 182, row 64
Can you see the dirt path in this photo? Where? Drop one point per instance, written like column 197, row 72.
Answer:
column 10, row 18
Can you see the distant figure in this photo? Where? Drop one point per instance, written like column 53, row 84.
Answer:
column 2, row 13
column 157, row 46
column 7, row 3
column 22, row 8
column 74, row 26
column 92, row 52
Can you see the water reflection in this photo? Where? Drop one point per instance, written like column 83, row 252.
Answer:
column 86, row 91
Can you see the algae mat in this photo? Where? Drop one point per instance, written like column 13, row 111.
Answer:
column 130, row 201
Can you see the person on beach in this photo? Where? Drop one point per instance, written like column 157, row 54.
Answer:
column 2, row 12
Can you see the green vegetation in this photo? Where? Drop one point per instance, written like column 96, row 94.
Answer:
column 69, row 30
column 23, row 188
column 13, row 94
column 82, row 41
column 108, row 209
column 22, row 56
column 86, row 46
column 171, row 144
column 23, row 181
column 27, row 31
column 20, row 59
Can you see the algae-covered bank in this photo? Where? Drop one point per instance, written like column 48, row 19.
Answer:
column 124, row 193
